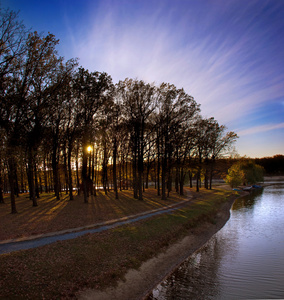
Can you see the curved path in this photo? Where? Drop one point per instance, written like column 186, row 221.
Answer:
column 9, row 246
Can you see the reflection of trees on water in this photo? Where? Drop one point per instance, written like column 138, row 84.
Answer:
column 247, row 201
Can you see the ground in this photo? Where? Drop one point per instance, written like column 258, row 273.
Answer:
column 138, row 284
column 110, row 261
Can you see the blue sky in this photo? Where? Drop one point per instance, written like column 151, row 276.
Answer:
column 229, row 55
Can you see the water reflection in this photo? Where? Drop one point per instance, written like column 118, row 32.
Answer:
column 247, row 201
column 244, row 260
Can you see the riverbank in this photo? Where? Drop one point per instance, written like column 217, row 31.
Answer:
column 138, row 284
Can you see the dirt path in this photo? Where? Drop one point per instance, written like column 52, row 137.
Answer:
column 45, row 239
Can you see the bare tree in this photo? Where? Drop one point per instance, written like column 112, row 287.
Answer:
column 174, row 109
column 92, row 91
column 139, row 101
column 211, row 142
column 13, row 37
column 220, row 143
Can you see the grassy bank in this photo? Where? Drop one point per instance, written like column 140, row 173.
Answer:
column 94, row 261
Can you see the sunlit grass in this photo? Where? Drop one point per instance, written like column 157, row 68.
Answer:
column 54, row 215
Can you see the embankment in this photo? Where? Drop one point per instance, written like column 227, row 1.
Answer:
column 139, row 283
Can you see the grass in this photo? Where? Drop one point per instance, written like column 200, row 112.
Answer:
column 60, row 270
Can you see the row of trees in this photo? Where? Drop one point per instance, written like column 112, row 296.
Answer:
column 62, row 123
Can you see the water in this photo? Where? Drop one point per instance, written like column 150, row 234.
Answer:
column 244, row 260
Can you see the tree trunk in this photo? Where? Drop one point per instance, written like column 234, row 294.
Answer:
column 66, row 174
column 120, row 174
column 93, row 182
column 70, row 181
column 22, row 180
column 36, row 181
column 197, row 180
column 148, row 168
column 181, row 183
column 140, row 170
column 134, row 179
column 169, row 167
column 55, row 172
column 177, row 179
column 104, row 170
column 206, row 175
column 11, row 172
column 198, row 175
column 1, row 188
column 134, row 170
column 45, row 176
column 84, row 172
column 50, row 179
column 158, row 167
column 164, row 170
column 95, row 173
column 40, row 182
column 1, row 195
column 164, row 165
column 16, row 182
column 169, row 183
column 147, row 176
column 90, row 178
column 211, row 172
column 77, row 175
column 155, row 175
column 114, row 169
column 31, row 177
column 126, row 174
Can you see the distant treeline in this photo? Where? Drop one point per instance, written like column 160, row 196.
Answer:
column 272, row 165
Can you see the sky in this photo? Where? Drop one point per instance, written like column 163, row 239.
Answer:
column 228, row 55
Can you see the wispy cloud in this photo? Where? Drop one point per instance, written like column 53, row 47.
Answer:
column 225, row 54
column 228, row 78
column 260, row 129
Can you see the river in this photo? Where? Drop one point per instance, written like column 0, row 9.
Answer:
column 244, row 260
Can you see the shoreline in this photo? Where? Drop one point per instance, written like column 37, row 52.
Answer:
column 138, row 284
